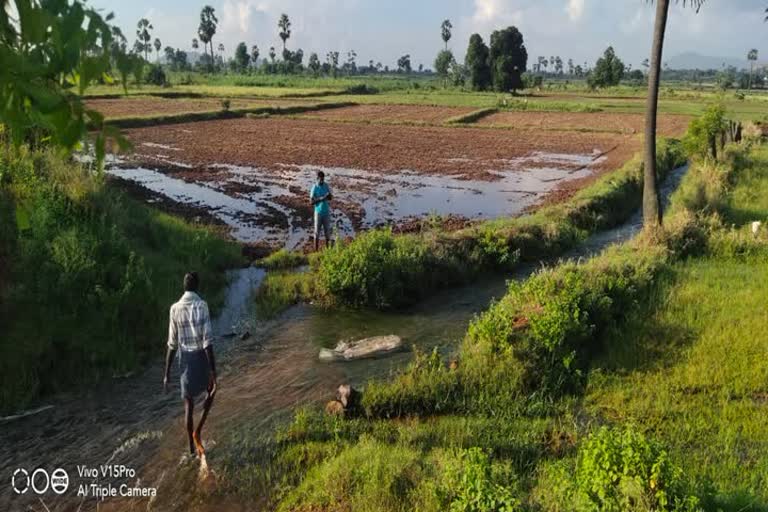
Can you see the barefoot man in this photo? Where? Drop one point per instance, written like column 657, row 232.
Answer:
column 189, row 333
column 319, row 196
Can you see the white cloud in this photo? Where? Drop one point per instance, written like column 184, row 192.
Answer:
column 575, row 9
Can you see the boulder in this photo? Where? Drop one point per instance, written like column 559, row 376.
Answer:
column 361, row 349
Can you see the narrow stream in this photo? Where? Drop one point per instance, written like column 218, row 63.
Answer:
column 130, row 421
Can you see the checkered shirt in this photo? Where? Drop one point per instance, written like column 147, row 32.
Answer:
column 189, row 327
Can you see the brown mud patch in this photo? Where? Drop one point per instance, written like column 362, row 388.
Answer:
column 668, row 125
column 390, row 114
column 271, row 143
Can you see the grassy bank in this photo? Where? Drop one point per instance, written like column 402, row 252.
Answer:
column 382, row 270
column 189, row 117
column 88, row 275
column 633, row 381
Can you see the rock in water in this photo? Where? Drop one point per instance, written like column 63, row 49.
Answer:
column 361, row 349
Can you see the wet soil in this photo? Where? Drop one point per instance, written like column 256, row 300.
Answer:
column 390, row 114
column 273, row 142
column 668, row 125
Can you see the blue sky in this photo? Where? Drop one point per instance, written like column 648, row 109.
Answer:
column 383, row 30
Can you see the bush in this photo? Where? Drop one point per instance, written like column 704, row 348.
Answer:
column 471, row 483
column 368, row 476
column 620, row 469
column 377, row 269
column 554, row 321
column 282, row 259
column 702, row 137
column 156, row 76
column 425, row 387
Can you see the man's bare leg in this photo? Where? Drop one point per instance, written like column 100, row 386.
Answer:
column 189, row 411
column 199, row 430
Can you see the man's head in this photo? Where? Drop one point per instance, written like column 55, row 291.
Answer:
column 191, row 282
column 320, row 176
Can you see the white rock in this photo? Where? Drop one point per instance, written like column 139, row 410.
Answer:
column 756, row 227
column 361, row 349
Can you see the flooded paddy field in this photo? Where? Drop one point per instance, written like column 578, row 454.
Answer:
column 143, row 106
column 254, row 175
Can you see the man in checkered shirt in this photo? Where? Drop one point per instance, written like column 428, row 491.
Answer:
column 189, row 334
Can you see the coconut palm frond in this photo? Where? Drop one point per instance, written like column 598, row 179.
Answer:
column 695, row 4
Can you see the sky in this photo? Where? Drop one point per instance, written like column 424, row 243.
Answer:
column 383, row 30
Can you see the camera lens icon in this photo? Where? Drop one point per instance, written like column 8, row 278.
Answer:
column 40, row 481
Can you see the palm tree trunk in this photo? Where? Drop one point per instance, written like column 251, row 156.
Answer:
column 651, row 204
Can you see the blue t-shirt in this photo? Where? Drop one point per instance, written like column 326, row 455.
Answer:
column 319, row 190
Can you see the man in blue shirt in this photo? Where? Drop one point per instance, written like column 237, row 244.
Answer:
column 319, row 196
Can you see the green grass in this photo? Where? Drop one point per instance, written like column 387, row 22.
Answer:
column 188, row 117
column 693, row 368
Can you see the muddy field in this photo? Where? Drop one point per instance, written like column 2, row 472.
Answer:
column 254, row 175
column 668, row 125
column 157, row 106
column 390, row 114
column 275, row 143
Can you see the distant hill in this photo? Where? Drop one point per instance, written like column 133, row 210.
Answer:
column 692, row 60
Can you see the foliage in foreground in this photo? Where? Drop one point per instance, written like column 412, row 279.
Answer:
column 92, row 274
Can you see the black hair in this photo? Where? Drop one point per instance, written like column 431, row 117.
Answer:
column 191, row 282
column 320, row 174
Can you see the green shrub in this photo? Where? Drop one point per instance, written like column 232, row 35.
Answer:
column 281, row 289
column 426, row 386
column 156, row 75
column 620, row 469
column 282, row 260
column 368, row 476
column 553, row 322
column 702, row 136
column 377, row 270
column 471, row 483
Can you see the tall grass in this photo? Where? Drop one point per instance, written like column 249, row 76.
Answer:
column 92, row 274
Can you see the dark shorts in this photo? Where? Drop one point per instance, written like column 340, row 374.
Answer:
column 195, row 373
column 322, row 222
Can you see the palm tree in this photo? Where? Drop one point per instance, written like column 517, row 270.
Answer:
column 158, row 45
column 195, row 46
column 284, row 24
column 143, row 34
column 752, row 58
column 254, row 55
column 445, row 32
column 207, row 28
column 651, row 204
